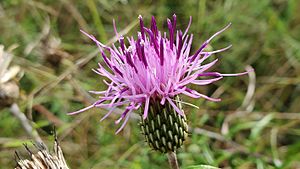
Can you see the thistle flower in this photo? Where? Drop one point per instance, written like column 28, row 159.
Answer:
column 43, row 159
column 149, row 73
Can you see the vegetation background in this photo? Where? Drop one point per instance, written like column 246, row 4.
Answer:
column 257, row 124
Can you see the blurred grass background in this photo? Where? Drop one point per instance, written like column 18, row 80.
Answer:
column 248, row 129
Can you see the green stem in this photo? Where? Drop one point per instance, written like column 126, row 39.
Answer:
column 173, row 160
column 97, row 20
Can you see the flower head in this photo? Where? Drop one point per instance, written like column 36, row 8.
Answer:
column 155, row 67
column 43, row 158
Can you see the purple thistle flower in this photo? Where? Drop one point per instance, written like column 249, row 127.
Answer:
column 153, row 67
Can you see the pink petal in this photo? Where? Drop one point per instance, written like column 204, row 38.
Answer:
column 175, row 107
column 146, row 108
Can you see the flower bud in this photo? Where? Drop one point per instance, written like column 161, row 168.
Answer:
column 164, row 129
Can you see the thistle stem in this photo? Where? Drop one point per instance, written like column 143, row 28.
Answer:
column 173, row 160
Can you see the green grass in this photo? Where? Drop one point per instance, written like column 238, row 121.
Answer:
column 262, row 132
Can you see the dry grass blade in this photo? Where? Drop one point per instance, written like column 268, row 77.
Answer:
column 247, row 105
column 9, row 90
column 15, row 110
